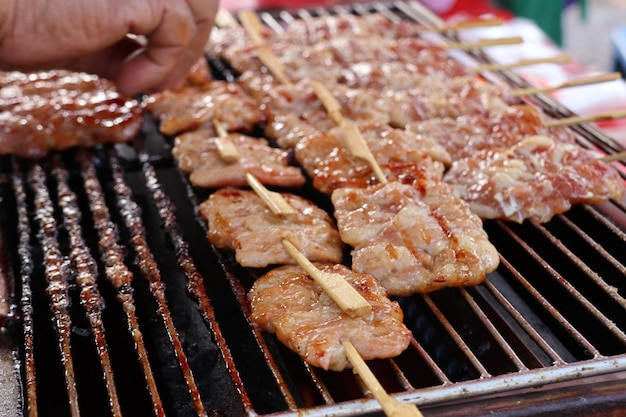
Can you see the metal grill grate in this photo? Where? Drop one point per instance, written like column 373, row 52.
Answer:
column 110, row 247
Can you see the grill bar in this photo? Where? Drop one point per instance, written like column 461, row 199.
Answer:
column 195, row 281
column 86, row 271
column 57, row 278
column 525, row 325
column 26, row 300
column 131, row 213
column 117, row 273
column 493, row 331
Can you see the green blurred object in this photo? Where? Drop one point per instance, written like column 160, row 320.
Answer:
column 545, row 13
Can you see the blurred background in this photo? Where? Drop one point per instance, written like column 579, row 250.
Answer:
column 587, row 36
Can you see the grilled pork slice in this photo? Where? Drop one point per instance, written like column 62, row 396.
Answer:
column 451, row 97
column 294, row 112
column 415, row 238
column 464, row 136
column 240, row 220
column 315, row 30
column 56, row 110
column 328, row 161
column 286, row 301
column 399, row 75
column 534, row 179
column 196, row 104
column 197, row 153
column 326, row 60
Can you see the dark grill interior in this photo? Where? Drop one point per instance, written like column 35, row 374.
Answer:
column 174, row 308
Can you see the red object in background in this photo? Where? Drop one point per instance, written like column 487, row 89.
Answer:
column 468, row 9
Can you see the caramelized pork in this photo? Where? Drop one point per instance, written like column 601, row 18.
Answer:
column 240, row 220
column 414, row 238
column 197, row 154
column 196, row 104
column 56, row 110
column 534, row 179
column 287, row 302
column 331, row 165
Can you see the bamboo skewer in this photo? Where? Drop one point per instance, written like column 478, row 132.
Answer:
column 592, row 79
column 354, row 141
column 335, row 285
column 351, row 135
column 391, row 406
column 225, row 19
column 557, row 59
column 225, row 148
column 337, row 288
column 470, row 24
column 250, row 21
column 617, row 114
column 482, row 43
column 274, row 201
column 614, row 157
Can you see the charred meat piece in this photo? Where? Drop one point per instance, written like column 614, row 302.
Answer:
column 288, row 302
column 56, row 110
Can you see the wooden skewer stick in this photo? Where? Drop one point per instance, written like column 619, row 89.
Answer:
column 484, row 43
column 275, row 202
column 250, row 21
column 353, row 138
column 479, row 23
column 254, row 27
column 557, row 59
column 335, row 285
column 592, row 79
column 225, row 19
column 391, row 406
column 614, row 157
column 225, row 147
column 618, row 114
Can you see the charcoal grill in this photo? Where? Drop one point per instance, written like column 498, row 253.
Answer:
column 116, row 304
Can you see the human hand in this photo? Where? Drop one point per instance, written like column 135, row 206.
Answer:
column 93, row 36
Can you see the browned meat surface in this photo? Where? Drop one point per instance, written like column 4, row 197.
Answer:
column 320, row 29
column 414, row 238
column 240, row 220
column 331, row 165
column 298, row 61
column 450, row 98
column 326, row 60
column 287, row 302
column 197, row 154
column 294, row 112
column 399, row 75
column 315, row 30
column 534, row 179
column 196, row 104
column 56, row 110
column 464, row 136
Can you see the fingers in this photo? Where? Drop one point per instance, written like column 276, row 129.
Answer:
column 203, row 12
column 173, row 46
